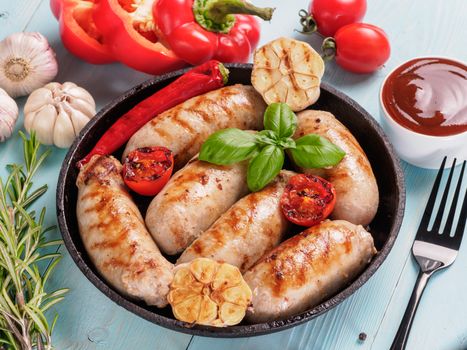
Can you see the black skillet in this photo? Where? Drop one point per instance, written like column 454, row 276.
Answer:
column 369, row 134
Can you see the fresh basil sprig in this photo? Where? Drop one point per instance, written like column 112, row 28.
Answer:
column 265, row 149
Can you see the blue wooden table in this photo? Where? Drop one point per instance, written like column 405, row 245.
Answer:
column 88, row 320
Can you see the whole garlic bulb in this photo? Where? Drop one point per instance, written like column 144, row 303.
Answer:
column 58, row 112
column 27, row 62
column 8, row 115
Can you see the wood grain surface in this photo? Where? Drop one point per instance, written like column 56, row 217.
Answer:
column 88, row 320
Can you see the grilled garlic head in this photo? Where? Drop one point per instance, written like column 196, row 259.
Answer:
column 206, row 292
column 58, row 112
column 8, row 115
column 27, row 62
column 289, row 71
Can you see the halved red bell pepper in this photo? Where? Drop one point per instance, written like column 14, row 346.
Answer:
column 78, row 31
column 128, row 30
column 200, row 30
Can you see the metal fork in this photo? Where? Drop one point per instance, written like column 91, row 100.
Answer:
column 434, row 250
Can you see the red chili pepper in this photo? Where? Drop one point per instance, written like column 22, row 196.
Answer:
column 200, row 30
column 78, row 31
column 199, row 80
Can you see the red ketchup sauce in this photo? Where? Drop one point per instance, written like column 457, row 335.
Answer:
column 428, row 96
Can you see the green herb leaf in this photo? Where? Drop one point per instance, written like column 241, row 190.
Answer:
column 228, row 146
column 280, row 119
column 287, row 143
column 264, row 167
column 314, row 151
column 266, row 137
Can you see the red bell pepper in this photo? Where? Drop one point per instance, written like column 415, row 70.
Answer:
column 199, row 80
column 128, row 29
column 200, row 30
column 78, row 31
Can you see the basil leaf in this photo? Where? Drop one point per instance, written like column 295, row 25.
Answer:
column 280, row 119
column 287, row 143
column 314, row 151
column 266, row 137
column 228, row 146
column 264, row 167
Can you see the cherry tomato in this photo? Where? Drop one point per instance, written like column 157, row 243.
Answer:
column 360, row 47
column 330, row 15
column 307, row 200
column 146, row 170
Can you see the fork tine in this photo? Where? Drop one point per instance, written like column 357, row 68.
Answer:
column 461, row 224
column 431, row 201
column 444, row 199
column 455, row 199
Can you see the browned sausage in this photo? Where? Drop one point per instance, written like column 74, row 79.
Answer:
column 307, row 268
column 115, row 237
column 356, row 188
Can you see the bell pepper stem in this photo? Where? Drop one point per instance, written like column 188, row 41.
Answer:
column 217, row 10
column 218, row 15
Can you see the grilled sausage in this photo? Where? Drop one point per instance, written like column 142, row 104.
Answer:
column 250, row 228
column 307, row 268
column 115, row 237
column 192, row 200
column 184, row 128
column 353, row 178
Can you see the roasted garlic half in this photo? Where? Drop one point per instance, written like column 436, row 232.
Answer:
column 206, row 292
column 289, row 71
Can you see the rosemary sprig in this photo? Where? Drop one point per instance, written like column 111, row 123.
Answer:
column 23, row 298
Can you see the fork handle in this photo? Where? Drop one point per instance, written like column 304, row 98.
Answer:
column 402, row 335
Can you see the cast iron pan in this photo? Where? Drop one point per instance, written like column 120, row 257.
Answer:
column 384, row 227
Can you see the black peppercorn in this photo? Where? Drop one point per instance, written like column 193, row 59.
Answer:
column 362, row 336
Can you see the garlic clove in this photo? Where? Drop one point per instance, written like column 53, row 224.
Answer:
column 83, row 106
column 79, row 120
column 37, row 99
column 27, row 62
column 63, row 132
column 79, row 93
column 8, row 115
column 41, row 122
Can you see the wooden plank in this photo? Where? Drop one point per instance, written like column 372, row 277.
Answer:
column 15, row 15
column 440, row 319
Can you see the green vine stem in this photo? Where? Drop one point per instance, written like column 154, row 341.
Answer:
column 328, row 48
column 307, row 22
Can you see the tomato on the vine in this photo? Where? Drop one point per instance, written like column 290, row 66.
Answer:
column 146, row 170
column 358, row 47
column 307, row 200
column 330, row 15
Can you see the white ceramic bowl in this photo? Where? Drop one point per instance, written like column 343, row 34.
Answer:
column 422, row 150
